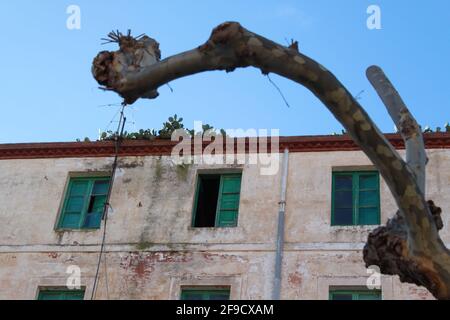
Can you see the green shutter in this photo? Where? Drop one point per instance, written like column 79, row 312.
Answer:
column 61, row 295
column 205, row 294
column 355, row 198
column 355, row 295
column 84, row 203
column 95, row 212
column 368, row 199
column 342, row 199
column 369, row 296
column 341, row 296
column 228, row 202
column 76, row 199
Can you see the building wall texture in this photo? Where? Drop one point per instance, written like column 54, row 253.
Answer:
column 151, row 250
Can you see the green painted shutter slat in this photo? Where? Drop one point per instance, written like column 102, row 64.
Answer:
column 228, row 202
column 74, row 204
column 61, row 295
column 368, row 181
column 368, row 198
column 368, row 216
column 78, row 187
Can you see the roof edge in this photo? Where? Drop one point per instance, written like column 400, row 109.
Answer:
column 437, row 140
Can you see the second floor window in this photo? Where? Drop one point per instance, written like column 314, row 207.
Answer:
column 84, row 203
column 217, row 200
column 355, row 198
column 355, row 294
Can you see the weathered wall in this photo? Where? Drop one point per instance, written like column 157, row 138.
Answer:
column 152, row 249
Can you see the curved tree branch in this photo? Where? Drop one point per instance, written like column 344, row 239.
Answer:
column 231, row 46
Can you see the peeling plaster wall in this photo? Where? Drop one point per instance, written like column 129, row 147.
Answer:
column 152, row 250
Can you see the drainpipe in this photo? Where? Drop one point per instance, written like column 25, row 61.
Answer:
column 280, row 233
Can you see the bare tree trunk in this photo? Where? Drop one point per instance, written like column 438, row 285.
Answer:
column 419, row 255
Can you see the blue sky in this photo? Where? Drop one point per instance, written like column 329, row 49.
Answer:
column 47, row 92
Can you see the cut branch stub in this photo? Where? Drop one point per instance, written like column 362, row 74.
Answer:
column 231, row 46
column 108, row 68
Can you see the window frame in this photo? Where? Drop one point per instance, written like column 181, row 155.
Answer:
column 219, row 197
column 355, row 174
column 92, row 179
column 355, row 293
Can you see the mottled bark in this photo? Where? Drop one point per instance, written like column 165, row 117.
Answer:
column 409, row 128
column 231, row 46
column 387, row 246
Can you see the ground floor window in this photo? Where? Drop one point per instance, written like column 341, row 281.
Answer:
column 205, row 293
column 60, row 294
column 355, row 294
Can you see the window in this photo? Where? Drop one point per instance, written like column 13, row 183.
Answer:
column 356, row 198
column 84, row 203
column 60, row 294
column 217, row 200
column 355, row 295
column 205, row 294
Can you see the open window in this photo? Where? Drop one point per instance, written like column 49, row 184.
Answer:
column 217, row 200
column 84, row 203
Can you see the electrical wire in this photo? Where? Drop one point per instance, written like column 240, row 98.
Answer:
column 279, row 91
column 112, row 120
column 117, row 140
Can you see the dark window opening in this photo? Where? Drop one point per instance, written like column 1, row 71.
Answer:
column 208, row 194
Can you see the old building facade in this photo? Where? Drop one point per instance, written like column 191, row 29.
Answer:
column 161, row 241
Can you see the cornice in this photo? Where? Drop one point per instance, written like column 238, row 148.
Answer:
column 162, row 147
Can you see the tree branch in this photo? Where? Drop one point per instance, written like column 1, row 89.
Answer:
column 231, row 46
column 411, row 133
